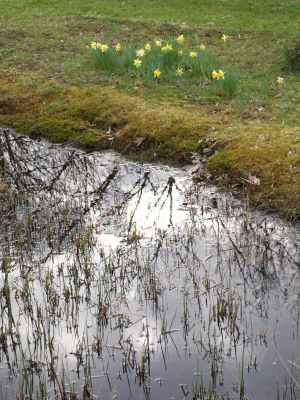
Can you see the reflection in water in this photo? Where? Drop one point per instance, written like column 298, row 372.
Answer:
column 126, row 281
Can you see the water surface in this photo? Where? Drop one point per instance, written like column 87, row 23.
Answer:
column 122, row 280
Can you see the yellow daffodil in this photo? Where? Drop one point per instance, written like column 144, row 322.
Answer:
column 93, row 45
column 118, row 47
column 180, row 52
column 104, row 47
column 202, row 47
column 98, row 45
column 221, row 74
column 279, row 80
column 137, row 63
column 215, row 74
column 180, row 39
column 224, row 37
column 158, row 43
column 157, row 73
column 169, row 47
column 193, row 54
column 218, row 75
column 164, row 49
column 148, row 47
column 179, row 72
column 140, row 53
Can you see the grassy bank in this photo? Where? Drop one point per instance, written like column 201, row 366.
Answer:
column 50, row 87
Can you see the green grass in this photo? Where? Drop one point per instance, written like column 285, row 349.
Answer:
column 49, row 86
column 280, row 16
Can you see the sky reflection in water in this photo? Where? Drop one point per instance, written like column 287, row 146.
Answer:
column 122, row 280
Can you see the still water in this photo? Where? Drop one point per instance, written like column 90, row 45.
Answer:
column 127, row 281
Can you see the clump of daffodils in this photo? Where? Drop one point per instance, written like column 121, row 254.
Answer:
column 174, row 63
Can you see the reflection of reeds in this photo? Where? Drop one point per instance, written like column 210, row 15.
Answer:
column 241, row 373
column 56, row 276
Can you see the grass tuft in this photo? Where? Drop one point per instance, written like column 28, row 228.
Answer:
column 292, row 55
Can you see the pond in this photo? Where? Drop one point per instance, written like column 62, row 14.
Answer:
column 127, row 281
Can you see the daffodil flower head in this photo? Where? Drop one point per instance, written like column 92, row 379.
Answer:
column 157, row 73
column 93, row 45
column 202, row 47
column 169, row 47
column 279, row 80
column 215, row 75
column 148, row 47
column 140, row 53
column 104, row 47
column 179, row 72
column 118, row 47
column 98, row 45
column 193, row 54
column 158, row 43
column 164, row 49
column 221, row 74
column 137, row 63
column 224, row 37
column 180, row 39
column 180, row 52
